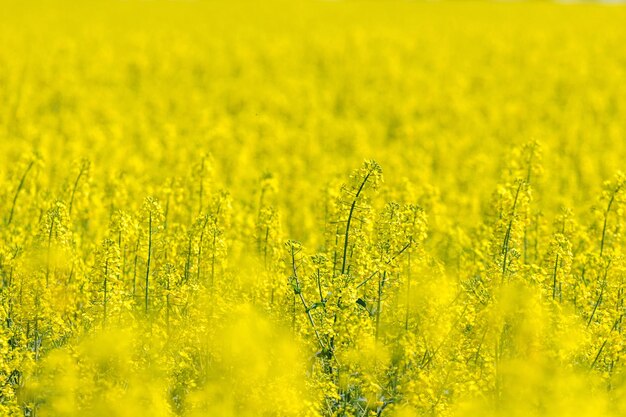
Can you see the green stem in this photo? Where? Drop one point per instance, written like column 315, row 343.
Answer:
column 408, row 293
column 381, row 280
column 556, row 266
column 80, row 174
column 298, row 292
column 347, row 232
column 106, row 274
column 606, row 217
column 507, row 236
column 149, row 259
column 17, row 192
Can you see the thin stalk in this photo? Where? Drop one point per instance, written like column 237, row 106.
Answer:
column 213, row 245
column 135, row 269
column 556, row 266
column 106, row 275
column 167, row 212
column 599, row 300
column 17, row 192
column 123, row 271
column 507, row 236
column 298, row 292
column 598, row 354
column 201, row 191
column 381, row 280
column 606, row 217
column 293, row 314
column 213, row 254
column 525, row 245
column 213, row 259
column 188, row 262
column 408, row 293
column 80, row 174
column 49, row 249
column 595, row 307
column 206, row 220
column 347, row 232
column 149, row 259
column 319, row 285
column 167, row 302
column 267, row 236
column 615, row 326
column 335, row 254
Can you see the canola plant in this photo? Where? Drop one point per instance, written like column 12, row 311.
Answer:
column 312, row 208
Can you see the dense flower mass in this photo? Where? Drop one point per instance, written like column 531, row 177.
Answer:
column 312, row 209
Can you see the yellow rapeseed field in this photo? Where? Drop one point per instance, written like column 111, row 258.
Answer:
column 312, row 208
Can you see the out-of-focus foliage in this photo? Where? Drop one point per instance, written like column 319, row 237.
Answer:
column 187, row 226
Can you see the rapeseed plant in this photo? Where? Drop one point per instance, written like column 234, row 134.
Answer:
column 185, row 229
